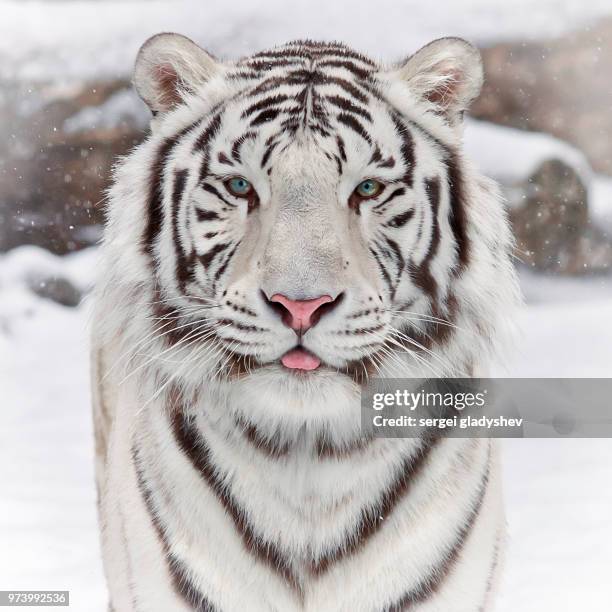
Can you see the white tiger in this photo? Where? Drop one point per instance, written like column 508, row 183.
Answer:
column 296, row 222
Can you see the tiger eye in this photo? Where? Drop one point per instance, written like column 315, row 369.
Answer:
column 239, row 186
column 369, row 188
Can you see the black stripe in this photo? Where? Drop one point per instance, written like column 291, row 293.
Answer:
column 179, row 572
column 429, row 585
column 395, row 194
column 407, row 148
column 212, row 189
column 223, row 266
column 341, row 148
column 310, row 77
column 432, row 189
column 422, row 275
column 264, row 66
column 318, row 109
column 203, row 143
column 400, row 220
column 268, row 152
column 244, row 73
column 224, row 159
column 317, row 128
column 458, row 220
column 326, row 448
column 372, row 518
column 399, row 258
column 272, row 446
column 237, row 308
column 270, row 84
column 376, row 155
column 242, row 326
column 435, row 333
column 228, row 258
column 265, row 116
column 309, row 50
column 239, row 142
column 353, row 124
column 234, row 343
column 348, row 106
column 264, row 104
column 338, row 164
column 155, row 208
column 344, row 84
column 193, row 445
column 209, row 132
column 360, row 73
column 387, row 163
column 385, row 274
column 206, row 258
column 290, row 125
column 459, row 217
column 206, row 215
column 170, row 321
column 182, row 268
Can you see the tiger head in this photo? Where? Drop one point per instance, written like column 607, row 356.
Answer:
column 306, row 214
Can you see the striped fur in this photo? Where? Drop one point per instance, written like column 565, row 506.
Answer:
column 226, row 482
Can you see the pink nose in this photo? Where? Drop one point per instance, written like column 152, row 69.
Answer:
column 300, row 314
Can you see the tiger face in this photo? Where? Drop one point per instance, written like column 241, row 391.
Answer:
column 308, row 209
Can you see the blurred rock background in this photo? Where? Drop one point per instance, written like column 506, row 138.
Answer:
column 56, row 159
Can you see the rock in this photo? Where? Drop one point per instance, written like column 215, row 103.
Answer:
column 57, row 163
column 57, row 289
column 553, row 228
column 556, row 86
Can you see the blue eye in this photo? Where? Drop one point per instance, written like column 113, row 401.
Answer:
column 369, row 188
column 239, row 186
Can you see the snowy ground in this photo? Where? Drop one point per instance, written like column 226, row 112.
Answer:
column 559, row 497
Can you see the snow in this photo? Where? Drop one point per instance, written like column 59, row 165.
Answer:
column 558, row 491
column 124, row 105
column 566, row 330
column 490, row 146
column 48, row 530
column 558, row 501
column 69, row 39
column 511, row 156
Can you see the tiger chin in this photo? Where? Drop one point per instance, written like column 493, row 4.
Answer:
column 295, row 223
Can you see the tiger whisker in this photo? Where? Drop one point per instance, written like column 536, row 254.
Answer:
column 448, row 367
column 152, row 337
column 173, row 378
column 418, row 358
column 175, row 346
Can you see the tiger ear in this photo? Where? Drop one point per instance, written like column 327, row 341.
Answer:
column 168, row 67
column 448, row 73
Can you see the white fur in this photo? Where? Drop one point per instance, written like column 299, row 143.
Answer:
column 296, row 243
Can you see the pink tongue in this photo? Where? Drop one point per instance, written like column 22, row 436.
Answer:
column 299, row 359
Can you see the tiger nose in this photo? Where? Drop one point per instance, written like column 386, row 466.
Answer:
column 301, row 315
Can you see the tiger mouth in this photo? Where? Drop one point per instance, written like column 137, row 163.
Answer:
column 298, row 358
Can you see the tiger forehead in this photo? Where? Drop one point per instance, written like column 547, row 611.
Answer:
column 305, row 89
column 307, row 65
column 313, row 55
